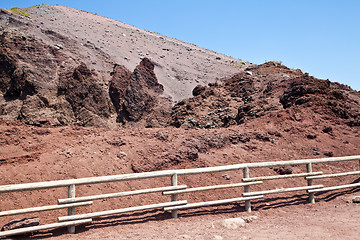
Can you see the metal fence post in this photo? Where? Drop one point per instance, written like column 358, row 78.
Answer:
column 71, row 211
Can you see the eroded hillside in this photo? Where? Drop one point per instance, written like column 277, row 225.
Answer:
column 48, row 50
column 62, row 66
column 82, row 95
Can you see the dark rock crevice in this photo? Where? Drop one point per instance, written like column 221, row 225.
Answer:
column 119, row 82
column 88, row 100
column 137, row 96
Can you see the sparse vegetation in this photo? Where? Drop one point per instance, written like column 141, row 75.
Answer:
column 28, row 8
column 237, row 63
column 275, row 62
column 18, row 10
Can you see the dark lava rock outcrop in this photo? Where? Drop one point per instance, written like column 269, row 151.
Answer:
column 119, row 82
column 48, row 78
column 137, row 96
column 88, row 101
column 325, row 97
column 261, row 90
column 41, row 85
column 27, row 89
column 142, row 99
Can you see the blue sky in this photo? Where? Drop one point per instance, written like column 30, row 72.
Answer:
column 321, row 37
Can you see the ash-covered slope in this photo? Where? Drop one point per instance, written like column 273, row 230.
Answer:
column 59, row 47
column 101, row 42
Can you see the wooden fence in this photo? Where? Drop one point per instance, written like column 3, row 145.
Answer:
column 72, row 201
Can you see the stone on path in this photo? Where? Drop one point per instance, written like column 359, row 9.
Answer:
column 233, row 223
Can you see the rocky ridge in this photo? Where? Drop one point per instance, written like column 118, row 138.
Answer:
column 263, row 90
column 47, row 78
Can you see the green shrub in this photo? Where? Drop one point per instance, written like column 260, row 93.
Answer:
column 18, row 11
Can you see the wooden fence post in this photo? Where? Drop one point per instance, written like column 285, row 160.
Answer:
column 71, row 211
column 310, row 183
column 174, row 197
column 246, row 174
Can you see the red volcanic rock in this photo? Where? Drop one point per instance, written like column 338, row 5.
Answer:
column 271, row 88
column 142, row 99
column 89, row 102
column 119, row 82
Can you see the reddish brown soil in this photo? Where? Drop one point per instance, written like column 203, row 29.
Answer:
column 72, row 152
column 294, row 219
column 265, row 113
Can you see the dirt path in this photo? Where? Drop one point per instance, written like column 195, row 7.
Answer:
column 333, row 217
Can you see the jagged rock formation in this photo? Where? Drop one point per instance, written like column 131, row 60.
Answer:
column 265, row 89
column 49, row 77
column 27, row 91
column 54, row 90
column 118, row 84
column 48, row 89
column 74, row 95
column 137, row 96
column 89, row 102
column 324, row 97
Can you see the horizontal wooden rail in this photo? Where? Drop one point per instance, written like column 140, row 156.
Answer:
column 280, row 176
column 334, row 175
column 211, row 203
column 264, row 164
column 82, row 181
column 134, row 176
column 118, row 211
column 232, row 185
column 43, row 208
column 280, row 190
column 352, row 185
column 43, row 227
column 120, row 194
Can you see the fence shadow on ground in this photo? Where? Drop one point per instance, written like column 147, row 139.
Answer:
column 331, row 196
column 159, row 215
column 279, row 198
